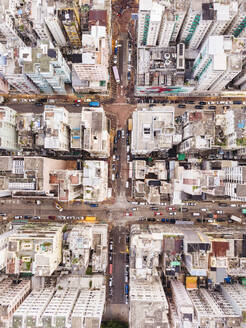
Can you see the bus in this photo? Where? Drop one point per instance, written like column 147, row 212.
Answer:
column 110, row 271
column 116, row 74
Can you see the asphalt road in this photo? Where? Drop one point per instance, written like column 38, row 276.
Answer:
column 118, row 235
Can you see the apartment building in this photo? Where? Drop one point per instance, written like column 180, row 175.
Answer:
column 148, row 298
column 37, row 16
column 8, row 31
column 95, row 181
column 218, row 62
column 11, row 296
column 235, row 294
column 198, row 131
column 54, row 24
column 66, row 184
column 3, row 247
column 56, row 131
column 89, row 308
column 183, row 305
column 196, row 24
column 59, row 309
column 8, row 135
column 153, row 130
column 212, row 308
column 235, row 182
column 224, row 13
column 31, row 310
column 196, row 251
column 237, row 28
column 4, row 87
column 46, row 67
column 149, row 182
column 90, row 71
column 233, row 130
column 35, row 248
column 11, row 72
column 89, row 131
column 69, row 16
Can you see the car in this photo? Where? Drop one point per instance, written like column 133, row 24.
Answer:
column 58, row 207
column 142, row 218
column 110, row 258
column 233, row 205
column 114, row 150
column 127, row 239
column 117, row 157
column 123, row 134
column 126, row 279
column 219, row 212
column 38, row 104
column 127, row 141
column 118, row 134
column 202, row 103
column 158, row 213
column 181, row 106
column 183, row 209
column 163, row 204
column 196, row 214
column 127, row 299
column 113, row 167
column 128, row 214
column 203, row 209
column 114, row 158
column 223, row 204
column 36, row 217
column 191, row 204
column 117, row 175
column 151, row 219
column 128, row 158
column 110, row 282
column 198, row 107
column 152, row 208
column 115, row 140
column 210, row 215
column 134, row 209
column 2, row 214
column 52, row 217
column 212, row 107
column 190, row 101
column 17, row 217
column 26, row 216
column 169, row 208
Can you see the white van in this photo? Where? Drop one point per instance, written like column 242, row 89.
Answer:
column 196, row 214
column 127, row 184
column 113, row 177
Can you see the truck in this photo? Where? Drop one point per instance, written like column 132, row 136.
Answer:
column 116, row 74
column 236, row 218
column 94, row 104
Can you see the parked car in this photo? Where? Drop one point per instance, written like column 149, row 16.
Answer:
column 198, row 107
column 158, row 213
column 154, row 208
column 223, row 204
column 128, row 214
column 183, row 209
column 181, row 106
column 219, row 212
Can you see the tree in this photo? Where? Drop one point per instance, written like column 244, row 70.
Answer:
column 114, row 324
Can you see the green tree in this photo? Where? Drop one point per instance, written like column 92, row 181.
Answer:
column 114, row 324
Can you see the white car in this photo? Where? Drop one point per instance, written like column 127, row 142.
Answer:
column 233, row 205
column 203, row 209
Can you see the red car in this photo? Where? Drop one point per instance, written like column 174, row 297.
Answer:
column 158, row 213
column 128, row 214
column 170, row 208
column 51, row 217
